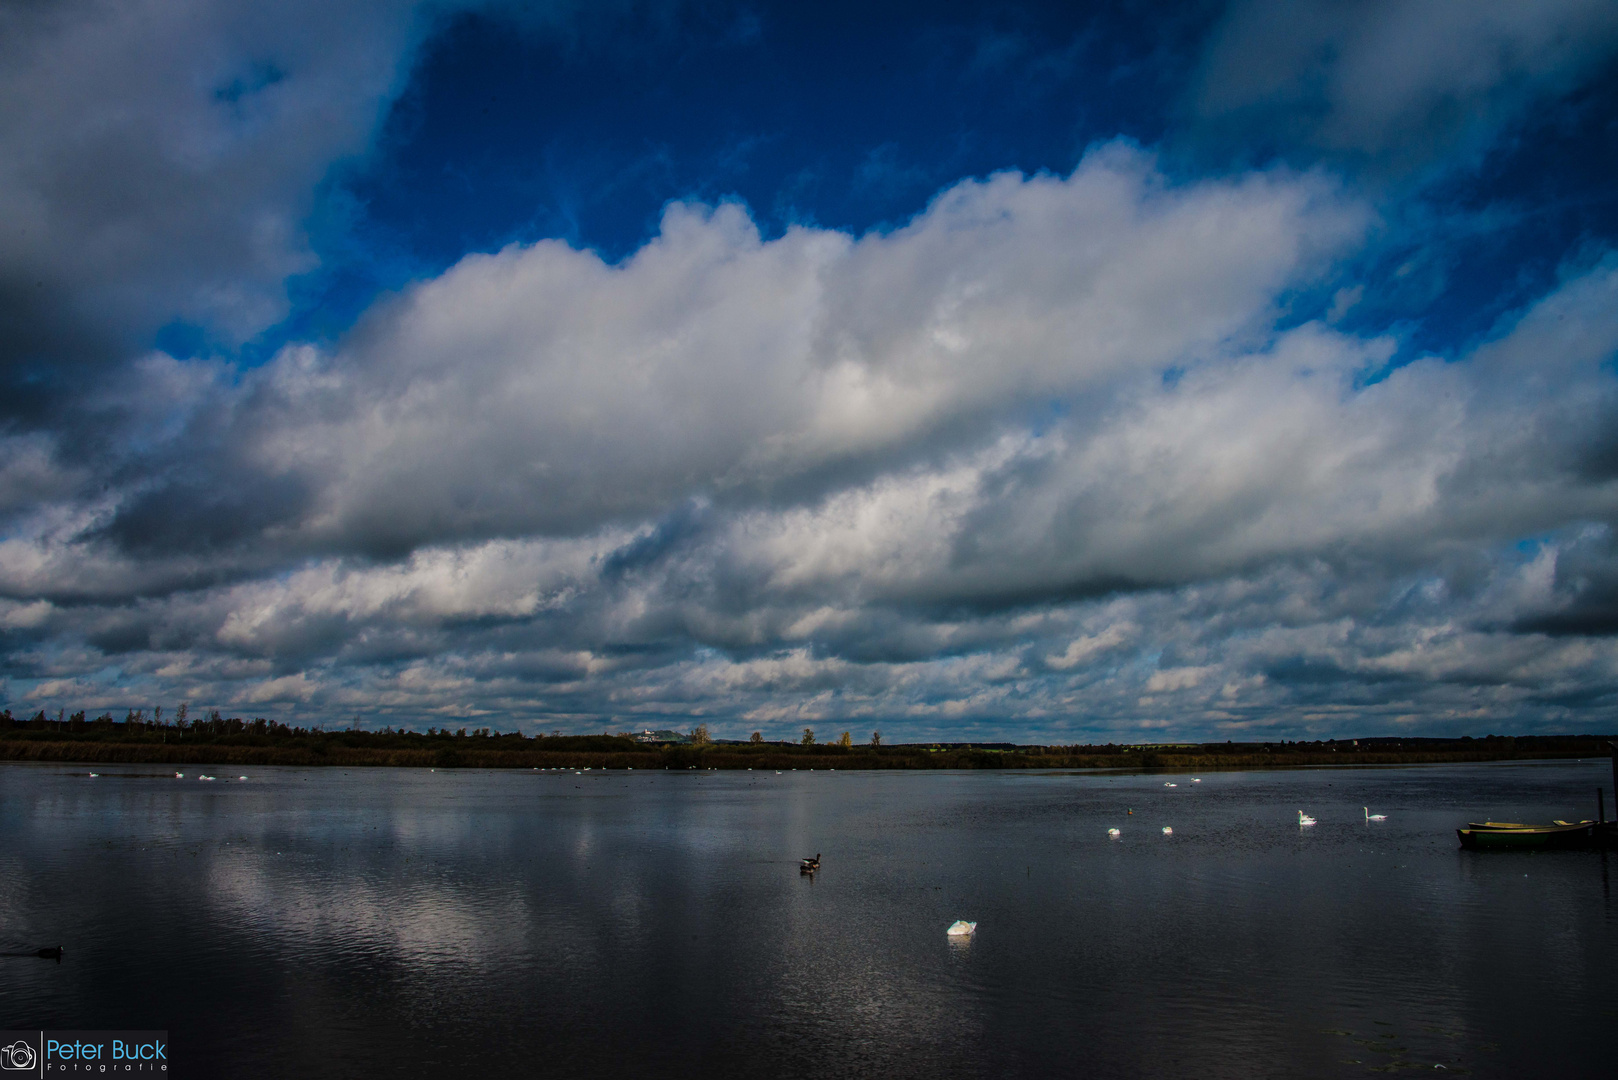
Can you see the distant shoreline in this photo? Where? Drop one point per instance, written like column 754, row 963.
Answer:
column 369, row 749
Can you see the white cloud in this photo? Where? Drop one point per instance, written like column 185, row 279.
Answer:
column 1082, row 649
column 1183, row 678
column 540, row 390
column 285, row 688
column 498, row 579
column 15, row 616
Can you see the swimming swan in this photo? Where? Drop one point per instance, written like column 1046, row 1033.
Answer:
column 1305, row 819
column 1373, row 817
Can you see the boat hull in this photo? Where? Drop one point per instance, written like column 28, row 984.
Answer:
column 1538, row 838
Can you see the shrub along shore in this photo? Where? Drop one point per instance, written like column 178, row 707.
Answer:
column 219, row 741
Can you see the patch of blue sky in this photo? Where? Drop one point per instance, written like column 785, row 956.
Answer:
column 183, row 340
column 845, row 116
column 1485, row 238
column 853, row 118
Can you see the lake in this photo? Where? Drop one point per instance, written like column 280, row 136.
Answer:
column 407, row 923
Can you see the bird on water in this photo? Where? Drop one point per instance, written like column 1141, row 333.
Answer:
column 52, row 953
column 1373, row 817
column 809, row 866
column 1305, row 819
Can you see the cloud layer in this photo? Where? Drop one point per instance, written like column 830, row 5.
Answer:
column 1061, row 457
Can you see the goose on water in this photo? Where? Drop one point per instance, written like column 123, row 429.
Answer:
column 809, row 866
column 1305, row 819
column 1373, row 817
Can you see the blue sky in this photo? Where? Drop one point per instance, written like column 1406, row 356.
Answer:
column 848, row 117
column 1029, row 371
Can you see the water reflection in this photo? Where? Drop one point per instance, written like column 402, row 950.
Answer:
column 409, row 923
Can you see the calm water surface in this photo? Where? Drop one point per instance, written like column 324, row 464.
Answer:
column 405, row 923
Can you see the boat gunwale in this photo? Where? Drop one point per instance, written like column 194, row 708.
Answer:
column 1507, row 827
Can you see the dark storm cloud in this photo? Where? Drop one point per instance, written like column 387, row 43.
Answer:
column 1583, row 597
column 201, row 515
column 160, row 158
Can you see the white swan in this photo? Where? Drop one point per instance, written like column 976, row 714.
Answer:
column 1196, row 779
column 1168, row 831
column 1305, row 819
column 1373, row 817
column 961, row 928
column 1114, row 833
column 1171, row 785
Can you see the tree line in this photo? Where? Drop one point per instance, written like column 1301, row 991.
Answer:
column 446, row 746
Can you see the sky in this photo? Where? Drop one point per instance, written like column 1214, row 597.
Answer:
column 1036, row 372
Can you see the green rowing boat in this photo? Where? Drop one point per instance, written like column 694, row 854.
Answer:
column 1499, row 836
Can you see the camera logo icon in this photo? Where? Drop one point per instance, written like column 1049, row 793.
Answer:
column 18, row 1057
